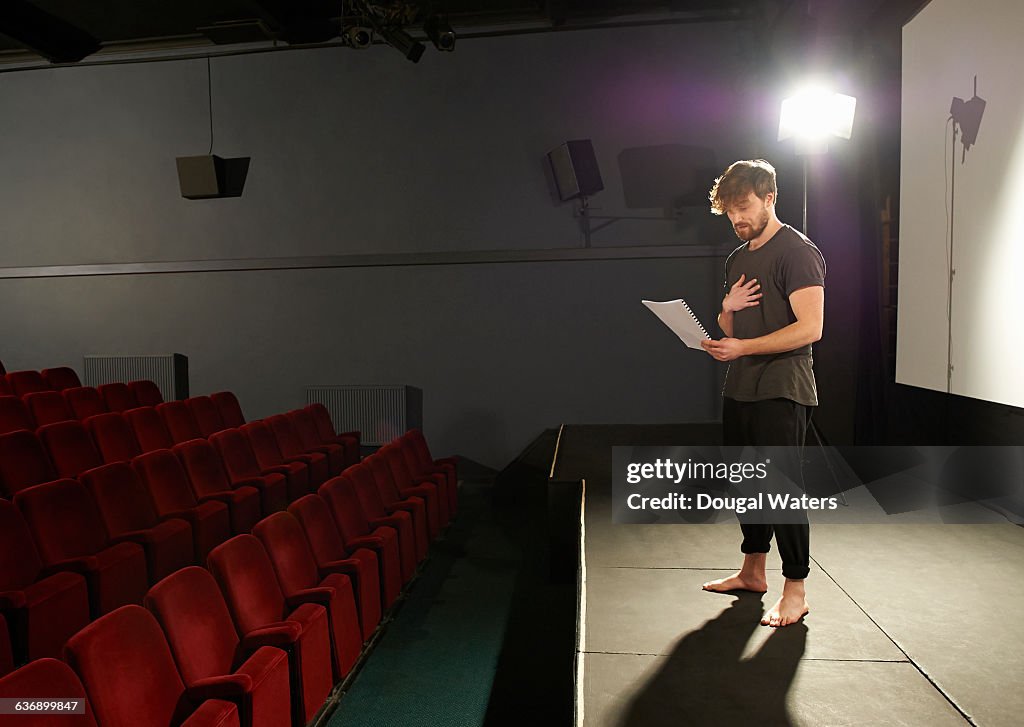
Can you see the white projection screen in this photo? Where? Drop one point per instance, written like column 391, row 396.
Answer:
column 978, row 197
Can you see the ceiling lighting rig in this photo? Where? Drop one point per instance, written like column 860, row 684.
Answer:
column 390, row 18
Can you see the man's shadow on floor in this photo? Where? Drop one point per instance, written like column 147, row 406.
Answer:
column 703, row 681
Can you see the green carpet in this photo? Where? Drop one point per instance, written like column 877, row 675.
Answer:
column 435, row 663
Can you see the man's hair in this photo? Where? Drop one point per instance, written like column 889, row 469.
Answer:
column 739, row 180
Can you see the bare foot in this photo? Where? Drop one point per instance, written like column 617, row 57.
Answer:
column 789, row 609
column 737, row 582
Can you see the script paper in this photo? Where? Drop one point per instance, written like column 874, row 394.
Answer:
column 676, row 314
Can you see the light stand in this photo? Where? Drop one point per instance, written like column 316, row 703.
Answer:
column 812, row 117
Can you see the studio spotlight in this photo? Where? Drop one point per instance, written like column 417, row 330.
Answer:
column 440, row 33
column 813, row 115
column 402, row 41
column 358, row 37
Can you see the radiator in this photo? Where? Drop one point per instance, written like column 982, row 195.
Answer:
column 168, row 371
column 381, row 413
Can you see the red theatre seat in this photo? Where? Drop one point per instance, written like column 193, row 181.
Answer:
column 42, row 679
column 206, row 414
column 304, row 428
column 291, row 448
column 42, row 611
column 300, row 581
column 117, row 396
column 356, row 530
column 212, row 662
column 48, row 407
column 246, row 578
column 23, row 462
column 326, row 432
column 147, row 393
column 210, row 482
column 14, row 415
column 70, row 447
column 180, row 422
column 25, row 382
column 167, row 482
column 241, row 465
column 129, row 514
column 445, row 473
column 377, row 506
column 126, row 666
column 113, row 436
column 85, row 402
column 270, row 459
column 360, row 565
column 150, row 431
column 61, row 377
column 230, row 409
column 447, row 465
column 398, row 480
column 67, row 527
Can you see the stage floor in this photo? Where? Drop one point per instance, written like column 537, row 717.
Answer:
column 910, row 624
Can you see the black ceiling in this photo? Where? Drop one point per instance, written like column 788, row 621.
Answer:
column 34, row 32
column 63, row 31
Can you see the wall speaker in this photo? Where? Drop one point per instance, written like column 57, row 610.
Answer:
column 211, row 177
column 574, row 166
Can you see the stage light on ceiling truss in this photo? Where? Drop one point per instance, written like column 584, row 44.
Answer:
column 440, row 33
column 404, row 43
column 358, row 37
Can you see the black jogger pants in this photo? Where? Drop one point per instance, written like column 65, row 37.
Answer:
column 771, row 422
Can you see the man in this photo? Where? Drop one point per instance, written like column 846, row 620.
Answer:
column 771, row 314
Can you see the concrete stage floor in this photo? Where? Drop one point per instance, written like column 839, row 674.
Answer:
column 910, row 623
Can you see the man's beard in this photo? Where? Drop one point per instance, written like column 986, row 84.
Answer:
column 750, row 233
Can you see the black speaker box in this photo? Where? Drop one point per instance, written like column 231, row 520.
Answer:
column 211, row 177
column 574, row 166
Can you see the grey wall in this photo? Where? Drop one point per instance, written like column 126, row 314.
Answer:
column 362, row 152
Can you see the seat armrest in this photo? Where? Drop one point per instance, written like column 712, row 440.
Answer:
column 282, row 633
column 347, row 566
column 256, row 482
column 366, row 541
column 227, row 686
column 321, row 596
column 83, row 565
column 141, row 537
column 391, row 521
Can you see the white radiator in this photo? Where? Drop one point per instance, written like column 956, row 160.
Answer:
column 168, row 371
column 380, row 412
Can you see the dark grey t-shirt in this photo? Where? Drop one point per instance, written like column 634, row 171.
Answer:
column 787, row 262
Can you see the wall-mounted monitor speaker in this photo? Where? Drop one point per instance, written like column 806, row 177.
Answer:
column 211, row 177
column 574, row 166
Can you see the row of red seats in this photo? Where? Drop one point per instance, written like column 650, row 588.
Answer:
column 68, row 448
column 39, row 408
column 115, row 396
column 308, row 581
column 25, row 382
column 176, row 504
